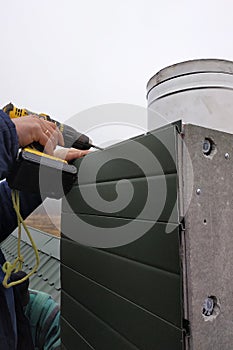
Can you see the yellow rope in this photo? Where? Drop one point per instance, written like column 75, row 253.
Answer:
column 8, row 268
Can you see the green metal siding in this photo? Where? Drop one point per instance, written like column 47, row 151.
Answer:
column 156, row 248
column 71, row 338
column 107, row 191
column 154, row 289
column 129, row 295
column 161, row 143
column 93, row 327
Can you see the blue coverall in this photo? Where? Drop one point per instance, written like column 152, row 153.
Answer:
column 14, row 330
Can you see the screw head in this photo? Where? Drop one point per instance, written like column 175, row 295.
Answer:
column 198, row 191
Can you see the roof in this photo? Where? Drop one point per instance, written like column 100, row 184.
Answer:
column 47, row 278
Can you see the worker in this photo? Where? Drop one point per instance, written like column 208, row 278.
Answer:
column 15, row 332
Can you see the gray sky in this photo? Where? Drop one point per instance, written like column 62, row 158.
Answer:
column 63, row 56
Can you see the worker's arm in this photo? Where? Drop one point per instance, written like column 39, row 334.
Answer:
column 18, row 133
column 8, row 220
column 8, row 151
column 8, row 144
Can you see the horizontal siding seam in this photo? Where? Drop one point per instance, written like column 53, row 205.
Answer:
column 137, row 178
column 124, row 218
column 120, row 257
column 121, row 297
column 73, row 329
column 106, row 323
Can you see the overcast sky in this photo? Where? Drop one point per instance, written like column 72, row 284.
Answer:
column 64, row 56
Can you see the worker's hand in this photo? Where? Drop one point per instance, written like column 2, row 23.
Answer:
column 31, row 128
column 70, row 153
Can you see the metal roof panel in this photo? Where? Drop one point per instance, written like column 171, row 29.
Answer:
column 47, row 278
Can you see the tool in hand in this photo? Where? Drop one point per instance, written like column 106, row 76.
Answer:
column 58, row 175
column 72, row 138
column 37, row 172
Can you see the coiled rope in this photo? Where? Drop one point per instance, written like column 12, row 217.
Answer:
column 7, row 267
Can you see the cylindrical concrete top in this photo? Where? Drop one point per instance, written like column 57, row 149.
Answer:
column 197, row 91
